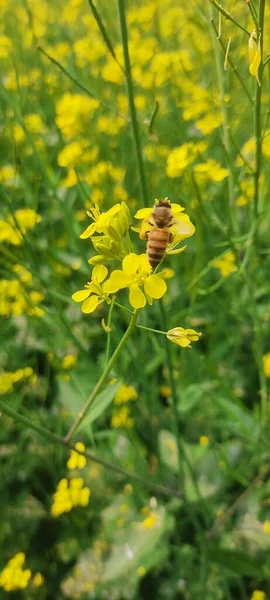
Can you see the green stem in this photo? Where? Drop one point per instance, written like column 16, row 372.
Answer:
column 154, row 330
column 49, row 435
column 227, row 16
column 108, row 345
column 132, row 109
column 103, row 377
column 257, row 110
column 229, row 60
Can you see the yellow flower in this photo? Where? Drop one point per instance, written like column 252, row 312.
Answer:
column 13, row 577
column 68, row 361
column 69, row 495
column 125, row 393
column 183, row 337
column 122, row 419
column 266, row 364
column 101, row 220
column 254, row 51
column 153, row 520
column 166, row 391
column 94, row 293
column 204, row 440
column 76, row 460
column 211, row 170
column 257, row 595
column 141, row 571
column 37, row 580
column 226, row 264
column 136, row 273
column 266, row 527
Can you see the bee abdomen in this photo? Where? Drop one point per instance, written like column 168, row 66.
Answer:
column 157, row 243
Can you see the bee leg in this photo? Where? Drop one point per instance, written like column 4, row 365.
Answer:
column 144, row 236
column 171, row 238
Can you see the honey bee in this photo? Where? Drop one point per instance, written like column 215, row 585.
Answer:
column 164, row 227
column 159, row 236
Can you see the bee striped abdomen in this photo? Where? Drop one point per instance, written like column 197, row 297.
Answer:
column 158, row 240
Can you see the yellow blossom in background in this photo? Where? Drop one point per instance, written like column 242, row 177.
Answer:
column 122, row 419
column 38, row 580
column 152, row 520
column 183, row 337
column 204, row 440
column 254, row 52
column 141, row 570
column 73, row 113
column 9, row 378
column 69, row 361
column 68, row 495
column 5, row 46
column 266, row 526
column 125, row 393
column 226, row 264
column 165, row 391
column 210, row 170
column 14, row 577
column 76, row 460
column 258, row 595
column 266, row 364
column 136, row 273
column 94, row 293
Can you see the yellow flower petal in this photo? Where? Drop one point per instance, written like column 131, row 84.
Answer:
column 176, row 208
column 90, row 305
column 88, row 232
column 136, row 296
column 117, row 281
column 155, row 286
column 130, row 264
column 80, row 295
column 143, row 213
column 99, row 273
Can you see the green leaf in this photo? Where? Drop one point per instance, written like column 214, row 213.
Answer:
column 100, row 404
column 193, row 394
column 238, row 418
column 236, row 561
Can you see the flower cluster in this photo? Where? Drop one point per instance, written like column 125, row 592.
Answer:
column 68, row 495
column 76, row 460
column 109, row 233
column 121, row 416
column 226, row 264
column 14, row 577
column 7, row 379
column 15, row 226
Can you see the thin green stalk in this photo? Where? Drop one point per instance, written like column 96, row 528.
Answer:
column 153, row 330
column 225, row 127
column 103, row 32
column 229, row 60
column 103, row 377
column 227, row 16
column 49, row 435
column 257, row 110
column 132, row 109
column 108, row 345
column 78, row 83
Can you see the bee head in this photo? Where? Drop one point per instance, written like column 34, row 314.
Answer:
column 165, row 202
